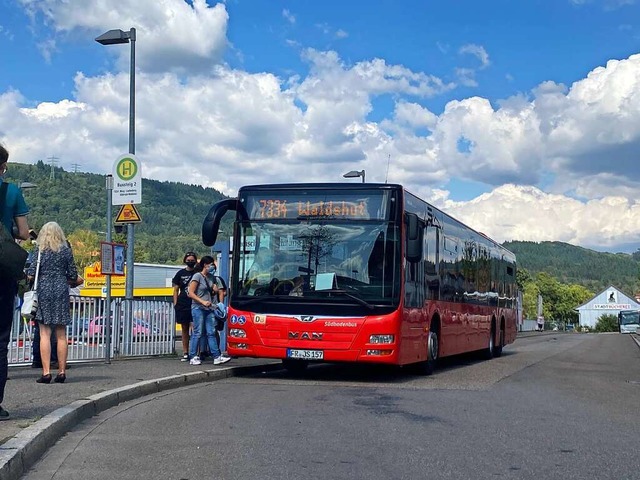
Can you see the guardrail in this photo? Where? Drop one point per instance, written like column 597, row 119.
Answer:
column 139, row 328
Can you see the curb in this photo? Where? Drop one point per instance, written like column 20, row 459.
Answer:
column 636, row 339
column 22, row 451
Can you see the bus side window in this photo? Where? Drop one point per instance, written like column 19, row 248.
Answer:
column 431, row 274
column 414, row 267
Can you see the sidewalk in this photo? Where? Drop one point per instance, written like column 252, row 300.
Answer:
column 42, row 413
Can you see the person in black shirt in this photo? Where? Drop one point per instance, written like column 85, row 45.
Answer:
column 181, row 301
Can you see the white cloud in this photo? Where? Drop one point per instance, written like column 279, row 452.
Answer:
column 46, row 111
column 477, row 51
column 171, row 35
column 466, row 77
column 288, row 16
column 47, row 48
column 526, row 213
column 414, row 115
column 341, row 33
column 198, row 121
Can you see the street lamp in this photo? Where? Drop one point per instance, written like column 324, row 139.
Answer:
column 355, row 174
column 116, row 37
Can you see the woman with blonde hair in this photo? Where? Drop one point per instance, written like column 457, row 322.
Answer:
column 56, row 272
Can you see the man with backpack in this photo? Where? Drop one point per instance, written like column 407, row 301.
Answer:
column 13, row 208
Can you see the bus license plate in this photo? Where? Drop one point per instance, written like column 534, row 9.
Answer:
column 305, row 354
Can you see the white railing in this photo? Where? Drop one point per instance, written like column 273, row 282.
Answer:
column 139, row 327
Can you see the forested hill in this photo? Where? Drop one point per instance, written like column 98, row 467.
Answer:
column 171, row 212
column 571, row 264
column 172, row 215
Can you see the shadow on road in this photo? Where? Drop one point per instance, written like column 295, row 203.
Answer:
column 373, row 373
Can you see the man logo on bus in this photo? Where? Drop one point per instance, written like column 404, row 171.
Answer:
column 307, row 318
column 305, row 336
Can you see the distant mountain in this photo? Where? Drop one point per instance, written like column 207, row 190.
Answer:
column 571, row 264
column 172, row 213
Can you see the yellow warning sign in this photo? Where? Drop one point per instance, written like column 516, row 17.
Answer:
column 128, row 214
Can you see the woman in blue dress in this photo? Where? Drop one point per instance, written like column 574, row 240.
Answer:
column 57, row 271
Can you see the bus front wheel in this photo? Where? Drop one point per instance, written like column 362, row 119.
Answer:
column 429, row 365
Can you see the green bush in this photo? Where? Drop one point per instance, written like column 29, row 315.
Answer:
column 607, row 323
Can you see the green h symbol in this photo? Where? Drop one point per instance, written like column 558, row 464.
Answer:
column 127, row 169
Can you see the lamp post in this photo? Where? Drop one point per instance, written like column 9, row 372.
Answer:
column 355, row 174
column 116, row 37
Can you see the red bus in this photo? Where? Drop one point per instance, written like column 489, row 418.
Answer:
column 360, row 273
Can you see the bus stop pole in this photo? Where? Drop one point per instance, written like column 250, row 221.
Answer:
column 107, row 303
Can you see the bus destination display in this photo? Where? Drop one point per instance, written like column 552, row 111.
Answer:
column 339, row 206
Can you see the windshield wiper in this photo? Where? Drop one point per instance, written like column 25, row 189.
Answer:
column 347, row 294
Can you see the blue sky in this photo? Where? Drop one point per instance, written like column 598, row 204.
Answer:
column 521, row 118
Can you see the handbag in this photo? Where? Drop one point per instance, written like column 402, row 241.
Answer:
column 77, row 282
column 12, row 255
column 30, row 300
column 220, row 314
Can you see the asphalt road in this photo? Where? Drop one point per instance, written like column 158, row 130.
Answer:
column 555, row 406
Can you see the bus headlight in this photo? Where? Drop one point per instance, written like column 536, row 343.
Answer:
column 237, row 333
column 381, row 338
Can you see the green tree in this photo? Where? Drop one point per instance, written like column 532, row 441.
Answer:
column 560, row 300
column 530, row 300
column 172, row 213
column 571, row 296
column 607, row 323
column 86, row 247
column 570, row 264
column 522, row 278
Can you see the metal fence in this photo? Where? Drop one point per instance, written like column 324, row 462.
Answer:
column 139, row 328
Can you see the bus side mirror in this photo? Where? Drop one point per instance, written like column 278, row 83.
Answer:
column 211, row 223
column 414, row 237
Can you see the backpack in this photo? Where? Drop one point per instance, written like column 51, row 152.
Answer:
column 12, row 255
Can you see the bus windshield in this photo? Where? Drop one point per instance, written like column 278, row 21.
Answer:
column 629, row 317
column 353, row 260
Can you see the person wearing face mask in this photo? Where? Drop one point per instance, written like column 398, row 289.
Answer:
column 219, row 288
column 202, row 304
column 181, row 300
column 12, row 209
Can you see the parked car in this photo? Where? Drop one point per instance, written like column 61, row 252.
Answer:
column 142, row 328
column 95, row 328
column 77, row 329
column 139, row 329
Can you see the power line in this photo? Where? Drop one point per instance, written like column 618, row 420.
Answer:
column 75, row 167
column 52, row 160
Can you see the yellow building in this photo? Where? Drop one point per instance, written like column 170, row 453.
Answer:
column 149, row 280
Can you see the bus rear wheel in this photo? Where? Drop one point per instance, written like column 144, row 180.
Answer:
column 295, row 366
column 497, row 351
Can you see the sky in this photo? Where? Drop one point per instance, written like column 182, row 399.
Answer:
column 520, row 118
